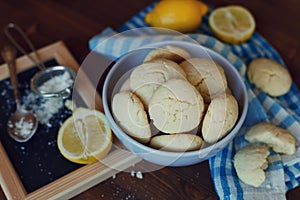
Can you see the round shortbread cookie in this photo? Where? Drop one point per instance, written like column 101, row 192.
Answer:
column 176, row 107
column 177, row 142
column 173, row 53
column 206, row 75
column 168, row 63
column 269, row 76
column 147, row 77
column 129, row 112
column 220, row 117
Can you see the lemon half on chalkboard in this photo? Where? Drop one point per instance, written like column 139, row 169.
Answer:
column 85, row 137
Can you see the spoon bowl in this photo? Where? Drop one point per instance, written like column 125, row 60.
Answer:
column 22, row 124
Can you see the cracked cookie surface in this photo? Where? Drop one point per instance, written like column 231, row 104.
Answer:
column 269, row 76
column 170, row 52
column 147, row 77
column 176, row 107
column 206, row 75
column 220, row 117
column 131, row 116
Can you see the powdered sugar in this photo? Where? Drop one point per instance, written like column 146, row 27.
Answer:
column 24, row 128
column 56, row 83
column 44, row 108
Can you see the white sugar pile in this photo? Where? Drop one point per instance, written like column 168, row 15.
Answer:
column 56, row 83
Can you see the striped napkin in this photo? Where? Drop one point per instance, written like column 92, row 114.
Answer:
column 283, row 172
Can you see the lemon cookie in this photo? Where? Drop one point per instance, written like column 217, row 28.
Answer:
column 168, row 63
column 129, row 112
column 147, row 77
column 221, row 115
column 177, row 142
column 250, row 163
column 281, row 140
column 206, row 75
column 176, row 107
column 269, row 76
column 173, row 53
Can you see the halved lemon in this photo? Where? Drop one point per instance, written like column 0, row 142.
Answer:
column 233, row 24
column 85, row 137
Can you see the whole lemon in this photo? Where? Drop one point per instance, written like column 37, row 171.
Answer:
column 180, row 15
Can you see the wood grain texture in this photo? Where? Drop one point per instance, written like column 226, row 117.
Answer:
column 75, row 22
column 10, row 181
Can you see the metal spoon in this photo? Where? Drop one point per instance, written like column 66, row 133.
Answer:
column 22, row 124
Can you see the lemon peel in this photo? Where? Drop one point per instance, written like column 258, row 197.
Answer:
column 180, row 15
column 85, row 137
column 233, row 24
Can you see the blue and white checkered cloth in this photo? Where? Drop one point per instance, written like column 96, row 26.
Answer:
column 283, row 172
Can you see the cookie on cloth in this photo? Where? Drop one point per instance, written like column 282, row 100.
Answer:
column 269, row 76
column 281, row 140
column 250, row 163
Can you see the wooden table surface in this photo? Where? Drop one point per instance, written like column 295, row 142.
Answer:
column 75, row 22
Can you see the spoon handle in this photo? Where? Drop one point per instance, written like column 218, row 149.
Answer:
column 37, row 61
column 9, row 55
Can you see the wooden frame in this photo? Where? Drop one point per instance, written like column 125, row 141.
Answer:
column 78, row 180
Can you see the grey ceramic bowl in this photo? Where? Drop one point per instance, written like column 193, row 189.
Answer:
column 121, row 71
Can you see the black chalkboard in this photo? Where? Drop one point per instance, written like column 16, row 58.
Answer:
column 38, row 161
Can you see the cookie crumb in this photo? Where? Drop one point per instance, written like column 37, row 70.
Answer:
column 132, row 173
column 139, row 175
